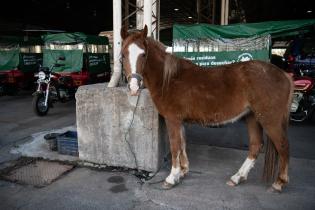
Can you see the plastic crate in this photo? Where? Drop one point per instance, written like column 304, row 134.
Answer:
column 68, row 143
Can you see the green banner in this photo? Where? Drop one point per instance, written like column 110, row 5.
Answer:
column 98, row 62
column 29, row 62
column 225, row 57
column 9, row 59
column 73, row 60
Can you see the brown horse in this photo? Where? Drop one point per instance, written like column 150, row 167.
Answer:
column 185, row 92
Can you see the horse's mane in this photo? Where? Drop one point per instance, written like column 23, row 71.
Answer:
column 170, row 63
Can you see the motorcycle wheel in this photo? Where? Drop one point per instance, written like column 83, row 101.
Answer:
column 39, row 105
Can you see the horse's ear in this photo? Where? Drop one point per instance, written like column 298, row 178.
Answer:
column 124, row 32
column 145, row 31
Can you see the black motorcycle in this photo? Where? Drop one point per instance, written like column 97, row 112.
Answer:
column 51, row 87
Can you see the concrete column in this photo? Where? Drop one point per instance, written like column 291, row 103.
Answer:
column 147, row 16
column 116, row 43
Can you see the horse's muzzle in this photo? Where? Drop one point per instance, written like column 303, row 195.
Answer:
column 134, row 84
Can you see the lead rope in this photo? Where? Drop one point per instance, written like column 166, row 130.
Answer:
column 128, row 132
column 165, row 159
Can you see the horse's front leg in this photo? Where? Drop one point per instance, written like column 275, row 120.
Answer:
column 176, row 139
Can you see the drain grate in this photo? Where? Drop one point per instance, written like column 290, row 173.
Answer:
column 38, row 173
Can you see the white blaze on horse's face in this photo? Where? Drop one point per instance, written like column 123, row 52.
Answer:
column 134, row 52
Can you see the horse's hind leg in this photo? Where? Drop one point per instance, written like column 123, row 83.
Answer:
column 255, row 144
column 184, row 163
column 277, row 133
column 174, row 128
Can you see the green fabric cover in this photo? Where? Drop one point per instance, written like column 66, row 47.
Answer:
column 73, row 60
column 74, row 38
column 9, row 59
column 228, row 43
column 274, row 28
column 95, row 62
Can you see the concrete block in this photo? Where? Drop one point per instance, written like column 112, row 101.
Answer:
column 106, row 134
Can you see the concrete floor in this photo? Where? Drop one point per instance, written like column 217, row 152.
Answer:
column 203, row 188
column 18, row 121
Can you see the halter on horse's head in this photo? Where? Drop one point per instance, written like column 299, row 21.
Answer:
column 134, row 55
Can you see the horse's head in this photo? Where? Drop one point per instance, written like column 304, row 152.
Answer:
column 133, row 53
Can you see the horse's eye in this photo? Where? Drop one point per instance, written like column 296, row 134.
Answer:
column 143, row 55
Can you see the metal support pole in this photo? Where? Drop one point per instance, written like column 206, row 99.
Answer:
column 157, row 20
column 116, row 43
column 198, row 11
column 213, row 11
column 139, row 18
column 222, row 12
column 147, row 16
column 126, row 14
column 226, row 13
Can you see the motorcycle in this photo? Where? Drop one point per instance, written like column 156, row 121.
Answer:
column 51, row 87
column 303, row 102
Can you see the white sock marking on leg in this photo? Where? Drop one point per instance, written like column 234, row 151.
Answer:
column 243, row 171
column 173, row 178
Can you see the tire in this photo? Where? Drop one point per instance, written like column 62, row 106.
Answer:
column 38, row 105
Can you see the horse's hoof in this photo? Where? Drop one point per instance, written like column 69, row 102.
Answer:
column 272, row 189
column 231, row 183
column 167, row 186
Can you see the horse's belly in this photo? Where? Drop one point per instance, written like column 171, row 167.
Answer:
column 218, row 118
column 232, row 119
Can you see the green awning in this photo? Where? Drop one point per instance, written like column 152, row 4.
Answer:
column 241, row 30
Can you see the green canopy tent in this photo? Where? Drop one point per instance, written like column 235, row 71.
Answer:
column 210, row 45
column 81, row 51
column 20, row 53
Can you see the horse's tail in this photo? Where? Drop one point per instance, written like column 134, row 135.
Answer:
column 271, row 161
column 271, row 154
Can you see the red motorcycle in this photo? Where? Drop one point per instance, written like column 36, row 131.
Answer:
column 51, row 87
column 303, row 103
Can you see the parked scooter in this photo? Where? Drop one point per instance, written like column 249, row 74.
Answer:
column 52, row 87
column 303, row 103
